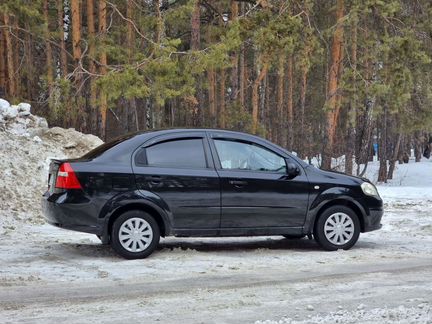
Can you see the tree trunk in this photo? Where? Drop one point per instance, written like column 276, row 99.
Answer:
column 195, row 45
column 11, row 88
column 30, row 67
column 16, row 49
column 364, row 117
column 382, row 172
column 130, row 35
column 211, row 80
column 102, row 69
column 349, row 153
column 159, row 22
column 132, row 122
column 418, row 147
column 331, row 105
column 255, row 96
column 303, row 90
column 364, row 141
column 290, row 99
column 266, row 105
column 76, row 31
column 3, row 65
column 263, row 99
column 48, row 50
column 401, row 150
column 408, row 148
column 91, row 29
column 211, row 75
column 351, row 118
column 303, row 144
column 234, row 58
column 62, row 43
column 80, row 121
column 242, row 77
column 91, row 32
column 394, row 157
column 278, row 132
column 242, row 69
column 195, row 27
column 222, row 99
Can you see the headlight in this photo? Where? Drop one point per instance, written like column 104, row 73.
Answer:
column 369, row 189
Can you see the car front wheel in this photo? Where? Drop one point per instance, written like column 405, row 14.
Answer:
column 338, row 227
column 135, row 235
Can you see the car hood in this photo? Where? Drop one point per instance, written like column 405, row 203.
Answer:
column 337, row 176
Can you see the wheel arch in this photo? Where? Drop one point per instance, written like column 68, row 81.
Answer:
column 345, row 201
column 141, row 206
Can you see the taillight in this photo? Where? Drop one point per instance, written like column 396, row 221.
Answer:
column 66, row 178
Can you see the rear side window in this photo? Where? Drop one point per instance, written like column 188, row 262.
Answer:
column 185, row 153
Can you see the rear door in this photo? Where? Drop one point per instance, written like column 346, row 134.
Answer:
column 256, row 191
column 179, row 170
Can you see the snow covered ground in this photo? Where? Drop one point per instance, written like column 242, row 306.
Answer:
column 49, row 275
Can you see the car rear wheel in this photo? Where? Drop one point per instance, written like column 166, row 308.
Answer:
column 338, row 227
column 135, row 235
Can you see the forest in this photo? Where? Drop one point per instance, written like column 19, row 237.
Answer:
column 322, row 78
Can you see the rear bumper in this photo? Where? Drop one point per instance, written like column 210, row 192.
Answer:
column 372, row 221
column 72, row 216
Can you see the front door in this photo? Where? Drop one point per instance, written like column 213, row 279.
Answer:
column 256, row 191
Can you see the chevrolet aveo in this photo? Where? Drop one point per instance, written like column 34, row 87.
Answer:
column 201, row 182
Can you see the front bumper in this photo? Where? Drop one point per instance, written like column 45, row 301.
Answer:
column 372, row 221
column 73, row 216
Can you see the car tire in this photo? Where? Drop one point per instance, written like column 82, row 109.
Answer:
column 294, row 236
column 338, row 227
column 135, row 235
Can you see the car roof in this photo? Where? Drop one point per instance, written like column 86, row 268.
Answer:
column 133, row 140
column 186, row 130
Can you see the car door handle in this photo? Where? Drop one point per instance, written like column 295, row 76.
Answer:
column 238, row 183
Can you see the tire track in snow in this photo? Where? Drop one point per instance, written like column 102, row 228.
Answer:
column 58, row 292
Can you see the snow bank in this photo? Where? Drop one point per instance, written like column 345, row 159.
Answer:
column 18, row 120
column 26, row 146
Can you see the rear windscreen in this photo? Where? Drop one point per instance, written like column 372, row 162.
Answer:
column 98, row 151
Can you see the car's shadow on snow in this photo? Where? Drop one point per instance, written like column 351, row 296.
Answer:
column 250, row 244
column 238, row 244
column 92, row 250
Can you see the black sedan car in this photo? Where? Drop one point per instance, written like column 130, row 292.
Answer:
column 205, row 182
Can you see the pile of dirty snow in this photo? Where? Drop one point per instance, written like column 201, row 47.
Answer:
column 26, row 146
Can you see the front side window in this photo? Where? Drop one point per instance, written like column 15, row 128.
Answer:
column 187, row 153
column 235, row 155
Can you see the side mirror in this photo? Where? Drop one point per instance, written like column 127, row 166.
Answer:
column 292, row 170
